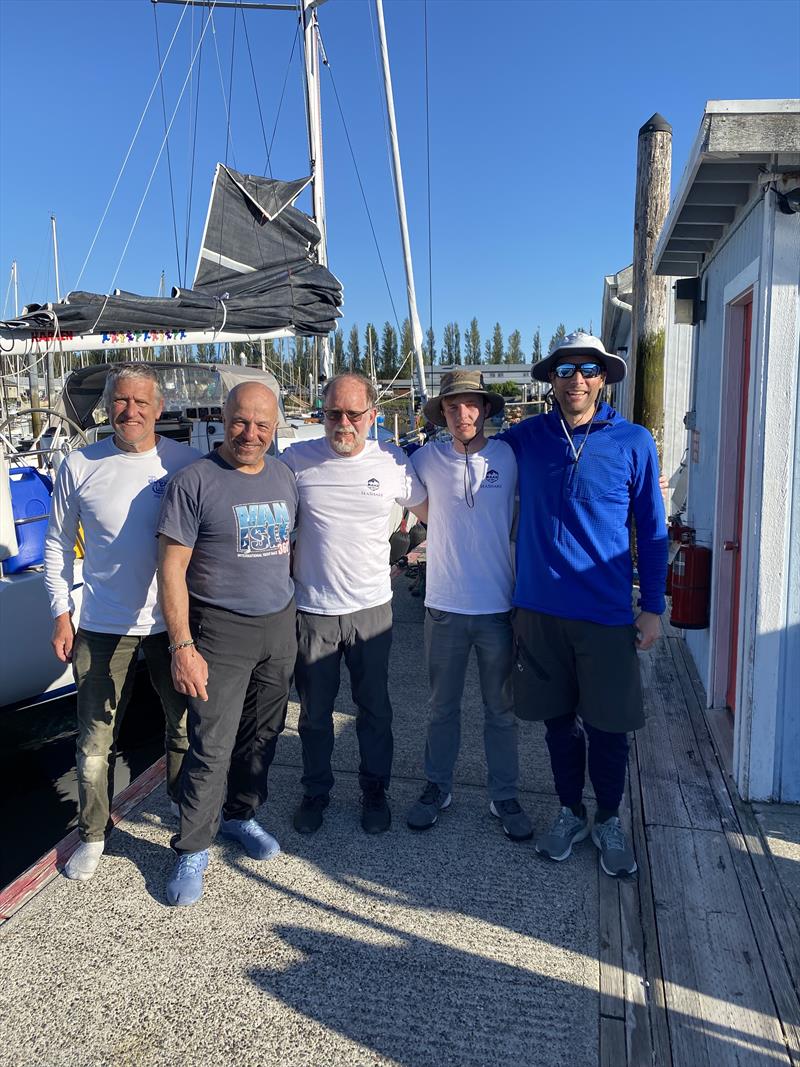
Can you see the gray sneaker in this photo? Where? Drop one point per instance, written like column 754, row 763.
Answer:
column 516, row 823
column 425, row 813
column 566, row 831
column 616, row 854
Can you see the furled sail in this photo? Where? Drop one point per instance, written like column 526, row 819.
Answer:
column 256, row 273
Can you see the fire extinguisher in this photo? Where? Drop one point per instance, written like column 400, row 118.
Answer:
column 678, row 534
column 691, row 587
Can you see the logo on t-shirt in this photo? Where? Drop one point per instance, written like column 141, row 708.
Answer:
column 492, row 479
column 158, row 485
column 373, row 486
column 263, row 529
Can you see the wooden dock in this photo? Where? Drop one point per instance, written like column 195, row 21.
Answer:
column 700, row 957
column 453, row 947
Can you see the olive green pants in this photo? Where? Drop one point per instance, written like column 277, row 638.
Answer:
column 104, row 666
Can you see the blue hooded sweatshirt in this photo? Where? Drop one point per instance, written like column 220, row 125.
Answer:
column 573, row 543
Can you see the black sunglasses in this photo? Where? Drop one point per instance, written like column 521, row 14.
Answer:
column 588, row 370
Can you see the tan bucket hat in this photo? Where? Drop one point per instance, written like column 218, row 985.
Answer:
column 454, row 382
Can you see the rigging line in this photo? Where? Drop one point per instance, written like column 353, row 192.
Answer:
column 364, row 197
column 278, row 223
column 229, row 138
column 428, row 156
column 255, row 87
column 230, row 85
column 152, row 174
column 169, row 161
column 130, row 146
column 283, row 93
column 194, row 158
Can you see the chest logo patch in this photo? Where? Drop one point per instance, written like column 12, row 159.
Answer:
column 262, row 529
column 158, row 485
column 373, row 485
column 492, row 479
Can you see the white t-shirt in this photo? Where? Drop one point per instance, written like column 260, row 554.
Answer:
column 341, row 555
column 116, row 497
column 469, row 557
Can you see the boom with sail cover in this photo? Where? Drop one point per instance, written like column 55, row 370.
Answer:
column 257, row 274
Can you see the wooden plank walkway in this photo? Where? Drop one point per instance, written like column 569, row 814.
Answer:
column 700, row 956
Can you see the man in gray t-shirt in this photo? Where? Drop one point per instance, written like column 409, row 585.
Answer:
column 228, row 601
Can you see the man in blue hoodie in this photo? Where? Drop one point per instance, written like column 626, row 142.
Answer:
column 585, row 475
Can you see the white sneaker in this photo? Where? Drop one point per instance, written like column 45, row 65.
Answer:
column 84, row 860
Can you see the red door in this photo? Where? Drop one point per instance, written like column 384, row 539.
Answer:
column 734, row 546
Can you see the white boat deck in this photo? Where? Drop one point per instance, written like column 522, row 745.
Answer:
column 451, row 947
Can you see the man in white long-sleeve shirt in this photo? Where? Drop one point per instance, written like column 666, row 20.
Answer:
column 113, row 489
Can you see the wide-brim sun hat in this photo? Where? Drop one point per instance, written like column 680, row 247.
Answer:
column 455, row 382
column 580, row 344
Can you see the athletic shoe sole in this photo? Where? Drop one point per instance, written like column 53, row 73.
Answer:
column 430, row 825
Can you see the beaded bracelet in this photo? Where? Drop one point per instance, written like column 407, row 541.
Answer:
column 180, row 644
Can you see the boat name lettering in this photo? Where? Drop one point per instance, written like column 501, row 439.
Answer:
column 66, row 335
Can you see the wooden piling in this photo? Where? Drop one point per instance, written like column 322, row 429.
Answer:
column 653, row 163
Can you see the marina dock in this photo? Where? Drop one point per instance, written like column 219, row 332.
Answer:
column 450, row 948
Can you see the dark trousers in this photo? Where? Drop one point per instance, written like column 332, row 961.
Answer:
column 232, row 735
column 567, row 741
column 364, row 639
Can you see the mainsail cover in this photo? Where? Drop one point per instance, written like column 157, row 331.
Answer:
column 256, row 272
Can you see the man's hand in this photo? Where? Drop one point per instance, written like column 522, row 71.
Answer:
column 190, row 673
column 649, row 626
column 63, row 637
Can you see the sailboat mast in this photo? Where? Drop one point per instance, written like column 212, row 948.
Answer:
column 314, row 108
column 413, row 315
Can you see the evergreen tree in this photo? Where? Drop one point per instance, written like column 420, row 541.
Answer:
column 472, row 343
column 457, row 343
column 559, row 335
column 353, row 350
column 487, row 351
column 497, row 344
column 536, row 354
column 430, row 346
column 371, row 360
column 514, row 353
column 450, row 345
column 406, row 345
column 388, row 351
column 338, row 350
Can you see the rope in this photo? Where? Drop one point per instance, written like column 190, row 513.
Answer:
column 283, row 92
column 169, row 161
column 428, row 159
column 152, row 175
column 130, row 147
column 364, row 198
column 194, row 157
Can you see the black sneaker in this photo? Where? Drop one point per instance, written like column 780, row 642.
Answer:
column 376, row 817
column 308, row 816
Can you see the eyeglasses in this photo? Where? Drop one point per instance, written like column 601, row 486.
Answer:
column 588, row 370
column 337, row 414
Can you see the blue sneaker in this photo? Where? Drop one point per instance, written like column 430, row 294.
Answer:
column 254, row 839
column 186, row 885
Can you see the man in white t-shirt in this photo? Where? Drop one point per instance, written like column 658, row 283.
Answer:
column 471, row 483
column 347, row 486
column 113, row 489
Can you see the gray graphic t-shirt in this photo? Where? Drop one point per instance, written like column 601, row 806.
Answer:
column 239, row 526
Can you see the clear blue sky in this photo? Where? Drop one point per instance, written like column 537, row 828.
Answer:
column 534, row 113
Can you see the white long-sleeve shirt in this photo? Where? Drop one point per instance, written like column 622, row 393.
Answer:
column 116, row 498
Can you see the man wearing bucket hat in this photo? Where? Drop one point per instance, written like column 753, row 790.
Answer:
column 584, row 473
column 471, row 483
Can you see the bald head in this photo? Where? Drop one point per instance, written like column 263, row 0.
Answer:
column 251, row 417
